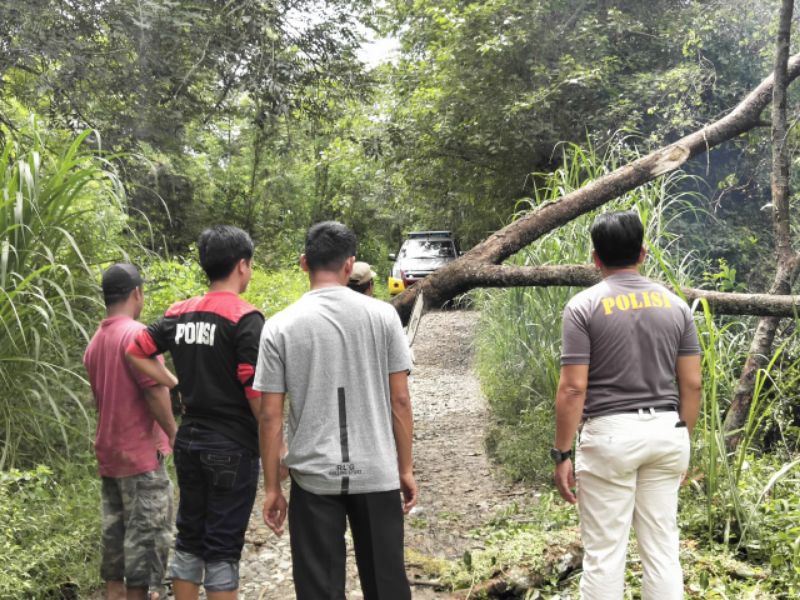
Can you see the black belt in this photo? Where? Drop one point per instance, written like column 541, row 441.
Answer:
column 648, row 409
column 623, row 411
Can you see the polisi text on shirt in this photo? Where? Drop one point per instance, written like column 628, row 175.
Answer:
column 195, row 333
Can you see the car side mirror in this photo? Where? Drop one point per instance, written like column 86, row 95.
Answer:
column 393, row 256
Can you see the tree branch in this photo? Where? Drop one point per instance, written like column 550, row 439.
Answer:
column 446, row 283
column 501, row 276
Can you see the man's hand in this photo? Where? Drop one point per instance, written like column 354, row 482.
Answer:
column 408, row 486
column 275, row 507
column 160, row 406
column 565, row 481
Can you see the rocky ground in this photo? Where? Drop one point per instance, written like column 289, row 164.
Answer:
column 459, row 490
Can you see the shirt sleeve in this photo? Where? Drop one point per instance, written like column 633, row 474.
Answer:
column 248, row 332
column 690, row 345
column 153, row 340
column 143, row 381
column 399, row 353
column 271, row 369
column 576, row 346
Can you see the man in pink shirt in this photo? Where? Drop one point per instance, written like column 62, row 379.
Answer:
column 135, row 430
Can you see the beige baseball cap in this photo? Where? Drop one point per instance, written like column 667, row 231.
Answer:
column 362, row 273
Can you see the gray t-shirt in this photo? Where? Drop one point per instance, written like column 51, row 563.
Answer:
column 332, row 352
column 630, row 331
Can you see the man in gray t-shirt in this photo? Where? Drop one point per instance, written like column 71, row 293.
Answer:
column 342, row 359
column 626, row 342
column 629, row 330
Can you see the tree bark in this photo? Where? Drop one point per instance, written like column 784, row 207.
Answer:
column 786, row 258
column 723, row 303
column 450, row 281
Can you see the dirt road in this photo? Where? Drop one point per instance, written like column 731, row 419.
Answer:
column 458, row 488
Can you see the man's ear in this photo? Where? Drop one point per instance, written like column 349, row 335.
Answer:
column 642, row 255
column 596, row 259
column 304, row 263
column 348, row 266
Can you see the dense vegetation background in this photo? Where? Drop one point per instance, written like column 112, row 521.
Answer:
column 127, row 127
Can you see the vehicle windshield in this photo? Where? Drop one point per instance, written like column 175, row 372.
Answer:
column 427, row 249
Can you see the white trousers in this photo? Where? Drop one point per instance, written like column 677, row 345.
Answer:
column 628, row 469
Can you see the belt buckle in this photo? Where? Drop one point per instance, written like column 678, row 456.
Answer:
column 650, row 412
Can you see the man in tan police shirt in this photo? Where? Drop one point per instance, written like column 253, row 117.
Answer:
column 626, row 341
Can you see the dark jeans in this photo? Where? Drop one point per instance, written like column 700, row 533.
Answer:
column 317, row 525
column 217, row 479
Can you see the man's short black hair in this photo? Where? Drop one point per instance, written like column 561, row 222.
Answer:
column 328, row 245
column 361, row 288
column 111, row 300
column 617, row 238
column 221, row 248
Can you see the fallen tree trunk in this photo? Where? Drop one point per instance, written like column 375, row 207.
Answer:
column 502, row 276
column 450, row 281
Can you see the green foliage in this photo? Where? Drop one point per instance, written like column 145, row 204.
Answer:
column 49, row 297
column 519, row 544
column 168, row 281
column 767, row 492
column 172, row 280
column 48, row 517
column 724, row 279
column 272, row 291
column 141, row 70
column 200, row 98
column 739, row 490
column 484, row 91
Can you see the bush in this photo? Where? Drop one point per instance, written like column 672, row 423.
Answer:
column 50, row 539
column 174, row 279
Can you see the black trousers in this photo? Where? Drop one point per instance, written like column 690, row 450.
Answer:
column 317, row 525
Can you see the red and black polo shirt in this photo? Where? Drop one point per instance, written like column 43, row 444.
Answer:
column 213, row 340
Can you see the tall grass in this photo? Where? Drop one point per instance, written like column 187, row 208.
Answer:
column 733, row 486
column 50, row 240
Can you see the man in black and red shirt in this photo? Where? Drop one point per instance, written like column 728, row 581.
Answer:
column 213, row 340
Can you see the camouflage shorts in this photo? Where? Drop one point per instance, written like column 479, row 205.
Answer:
column 137, row 528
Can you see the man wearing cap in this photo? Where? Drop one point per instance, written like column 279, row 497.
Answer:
column 135, row 430
column 362, row 279
column 627, row 341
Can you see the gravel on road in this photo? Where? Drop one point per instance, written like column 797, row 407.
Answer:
column 458, row 486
